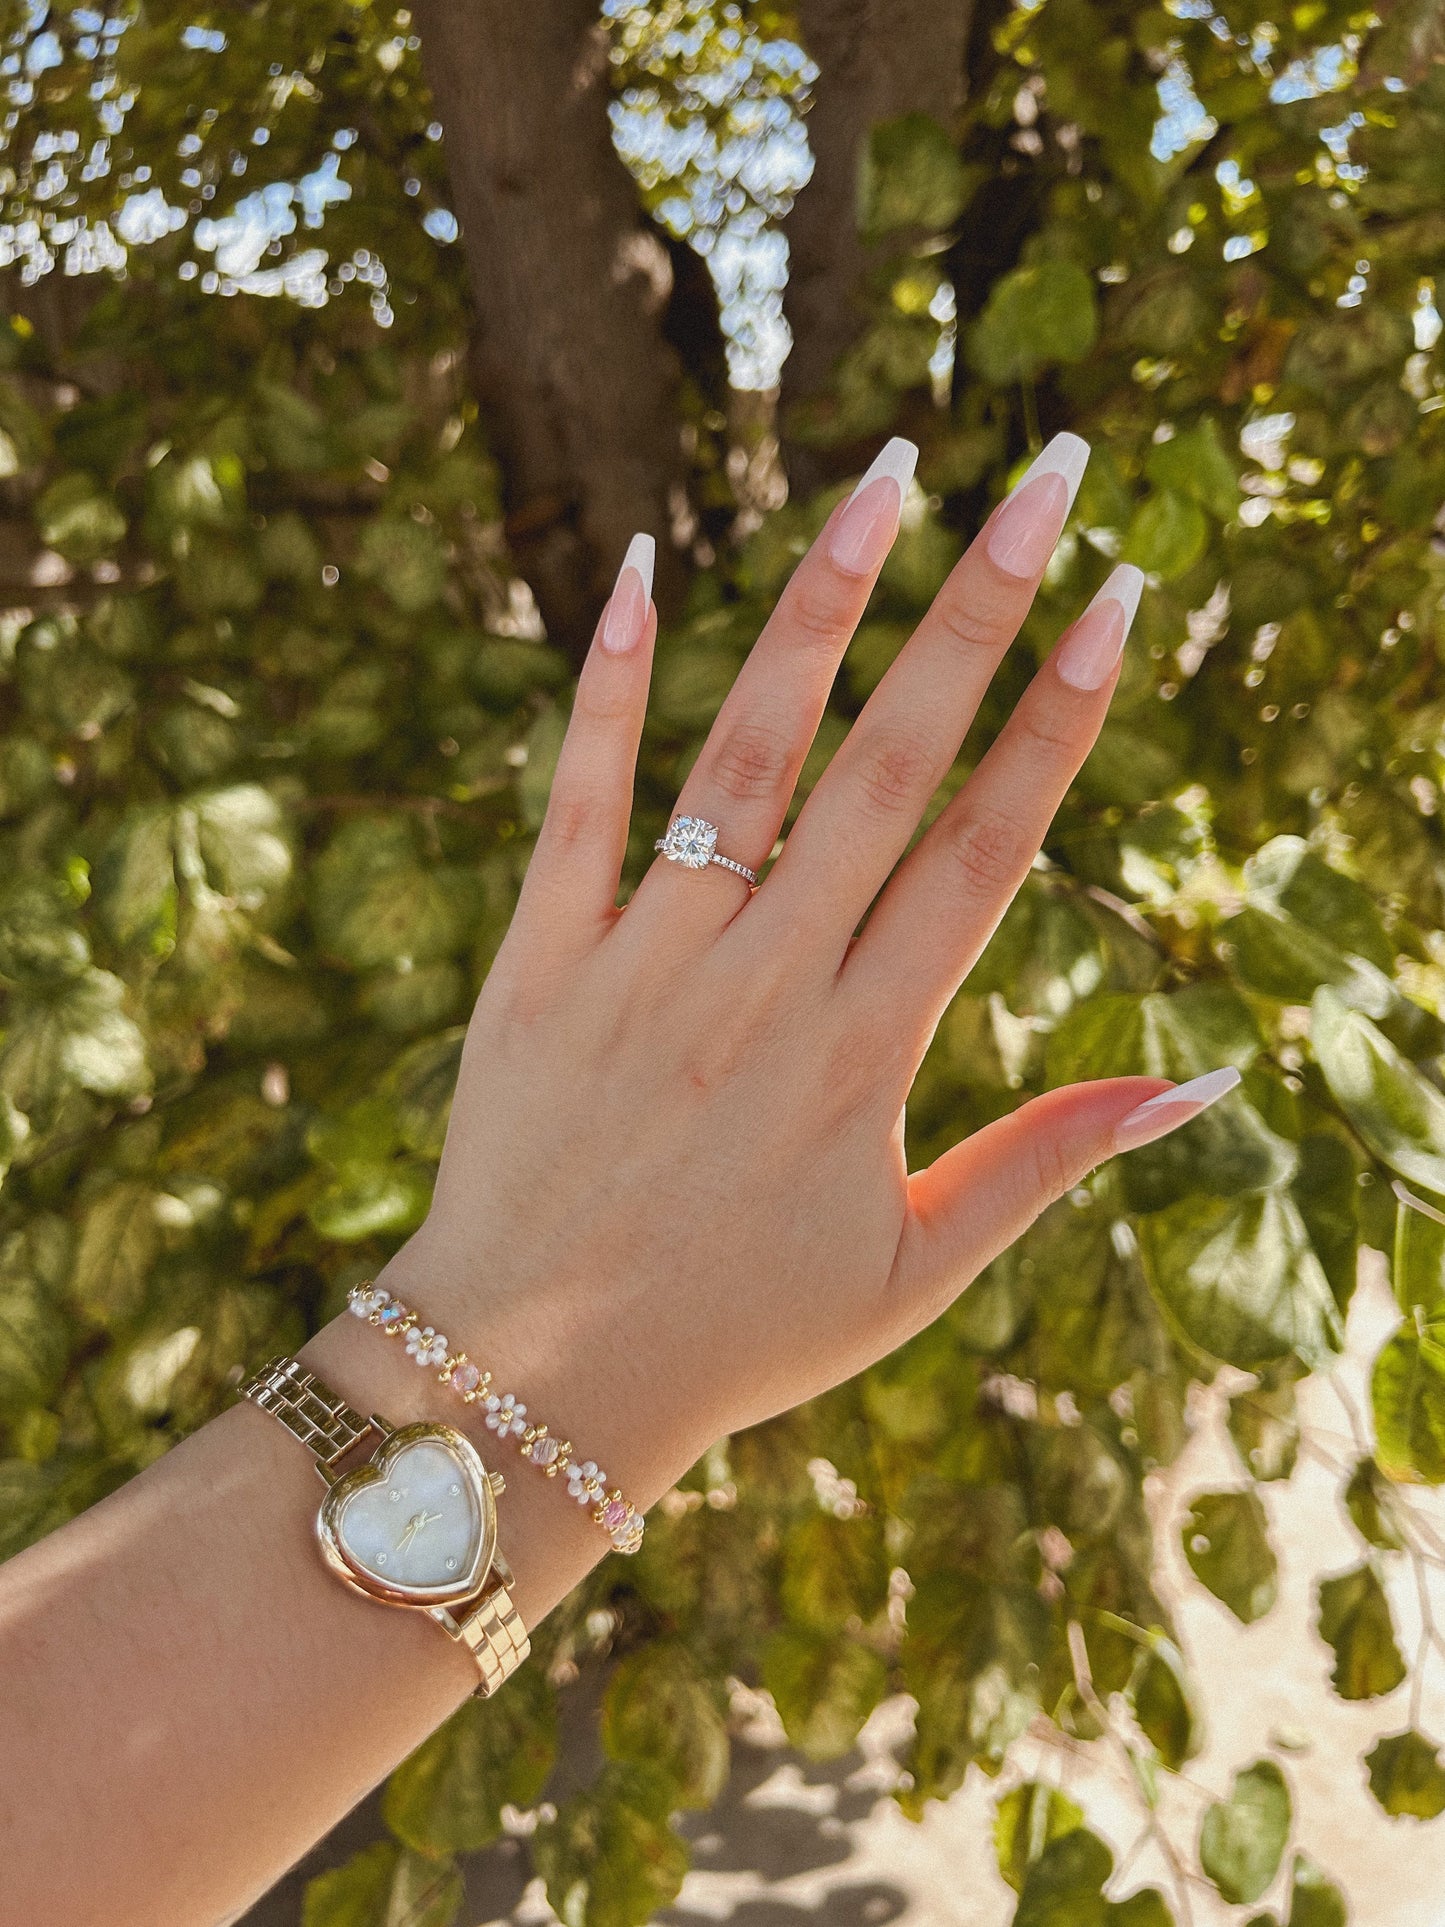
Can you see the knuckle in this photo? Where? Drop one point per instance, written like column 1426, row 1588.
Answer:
column 819, row 616
column 988, row 851
column 1053, row 1169
column 971, row 626
column 594, row 704
column 572, row 822
column 1046, row 729
column 751, row 762
column 897, row 771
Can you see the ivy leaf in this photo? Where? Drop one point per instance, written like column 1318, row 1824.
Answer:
column 34, row 1335
column 383, row 1886
column 1242, row 1279
column 1418, row 1271
column 1167, row 536
column 660, row 1708
column 824, row 1689
column 1161, row 1705
column 1355, row 1620
column 1026, row 1821
column 376, row 903
column 1035, row 317
column 1242, row 1838
column 1265, row 1429
column 1227, row 1545
column 1407, row 1394
column 1064, row 1886
column 1315, row 1900
column 1370, row 1506
column 76, row 1037
column 1147, row 1908
column 448, row 1796
column 610, row 1858
column 1406, row 1776
column 1399, row 1114
column 1194, row 464
column 420, row 1085
column 834, row 1571
column 79, row 519
column 912, row 178
column 119, row 1240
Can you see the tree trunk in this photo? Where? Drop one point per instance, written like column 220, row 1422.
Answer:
column 576, row 383
column 877, row 59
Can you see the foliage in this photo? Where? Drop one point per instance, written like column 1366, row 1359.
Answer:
column 278, row 730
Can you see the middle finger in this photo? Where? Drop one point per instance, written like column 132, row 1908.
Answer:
column 862, row 815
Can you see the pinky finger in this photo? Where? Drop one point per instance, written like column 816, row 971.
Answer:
column 571, row 885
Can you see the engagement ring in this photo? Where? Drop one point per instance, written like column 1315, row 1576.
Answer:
column 692, row 842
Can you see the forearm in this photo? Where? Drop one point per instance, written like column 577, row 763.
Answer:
column 183, row 1672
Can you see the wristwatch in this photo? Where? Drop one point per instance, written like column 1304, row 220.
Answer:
column 414, row 1525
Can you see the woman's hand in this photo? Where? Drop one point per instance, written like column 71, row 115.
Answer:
column 674, row 1199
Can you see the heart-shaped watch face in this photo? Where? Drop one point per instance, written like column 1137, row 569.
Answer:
column 417, row 1525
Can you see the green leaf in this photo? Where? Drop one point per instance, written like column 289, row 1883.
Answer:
column 1242, row 1838
column 79, row 518
column 610, row 1859
column 1418, row 1273
column 1406, row 1776
column 407, row 560
column 1242, row 1279
column 420, row 1085
column 1226, row 1542
column 1161, row 1705
column 1147, row 1908
column 660, row 1708
column 1407, row 1393
column 1034, row 317
column 824, row 1689
column 75, row 1038
column 1167, row 535
column 448, row 1796
column 1355, row 1620
column 1370, row 1505
column 834, row 1571
column 376, row 903
column 1064, row 1886
column 1399, row 1114
column 911, row 177
column 1265, row 1428
column 34, row 1335
column 116, row 1251
column 383, row 1886
column 1315, row 1900
column 1194, row 464
column 1025, row 1822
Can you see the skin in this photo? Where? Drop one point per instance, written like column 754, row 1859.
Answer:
column 673, row 1202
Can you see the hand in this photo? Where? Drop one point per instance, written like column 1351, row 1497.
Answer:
column 674, row 1195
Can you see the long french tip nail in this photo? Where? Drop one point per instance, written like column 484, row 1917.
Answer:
column 1066, row 455
column 1087, row 655
column 1158, row 1115
column 897, row 458
column 642, row 556
column 626, row 616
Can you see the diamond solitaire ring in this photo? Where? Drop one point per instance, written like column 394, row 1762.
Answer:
column 693, row 842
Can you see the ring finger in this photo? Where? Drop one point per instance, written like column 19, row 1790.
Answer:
column 744, row 778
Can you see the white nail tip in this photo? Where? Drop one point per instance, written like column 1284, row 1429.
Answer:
column 897, row 458
column 1125, row 585
column 642, row 556
column 1066, row 455
column 1199, row 1090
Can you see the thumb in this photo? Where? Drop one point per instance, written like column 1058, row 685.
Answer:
column 971, row 1203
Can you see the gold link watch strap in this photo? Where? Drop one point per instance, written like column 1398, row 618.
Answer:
column 490, row 1627
column 325, row 1424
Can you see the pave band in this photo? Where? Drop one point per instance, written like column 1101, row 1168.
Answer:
column 692, row 842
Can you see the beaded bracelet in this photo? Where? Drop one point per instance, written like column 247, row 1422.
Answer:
column 586, row 1481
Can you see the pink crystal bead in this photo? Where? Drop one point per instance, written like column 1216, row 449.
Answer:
column 544, row 1451
column 466, row 1378
column 614, row 1514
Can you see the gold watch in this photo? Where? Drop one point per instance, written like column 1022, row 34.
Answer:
column 414, row 1525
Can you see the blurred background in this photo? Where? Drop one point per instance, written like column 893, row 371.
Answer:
column 342, row 349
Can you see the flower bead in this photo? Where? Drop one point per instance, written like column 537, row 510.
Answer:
column 363, row 1300
column 505, row 1416
column 426, row 1345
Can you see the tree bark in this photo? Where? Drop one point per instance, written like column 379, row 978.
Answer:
column 575, row 380
column 877, row 59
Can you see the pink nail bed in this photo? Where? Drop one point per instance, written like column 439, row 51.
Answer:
column 1026, row 527
column 864, row 532
column 626, row 616
column 1086, row 657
